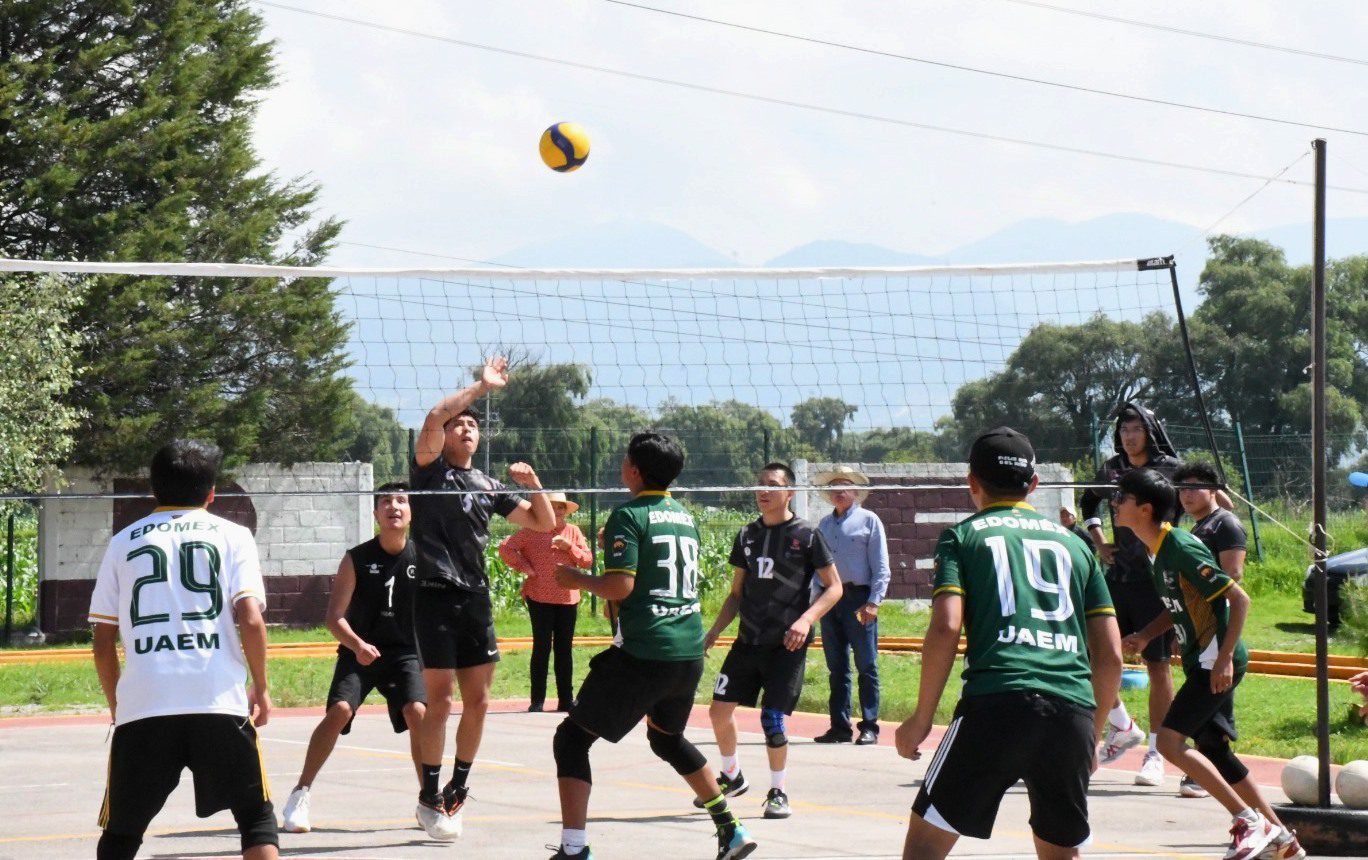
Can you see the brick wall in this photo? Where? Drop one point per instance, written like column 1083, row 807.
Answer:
column 914, row 518
column 301, row 538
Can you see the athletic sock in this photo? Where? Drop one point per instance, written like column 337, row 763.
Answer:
column 1248, row 815
column 460, row 774
column 1154, row 742
column 731, row 765
column 573, row 841
column 722, row 816
column 432, row 774
column 1119, row 718
column 777, row 779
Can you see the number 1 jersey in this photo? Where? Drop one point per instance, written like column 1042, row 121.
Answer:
column 654, row 539
column 169, row 582
column 1029, row 585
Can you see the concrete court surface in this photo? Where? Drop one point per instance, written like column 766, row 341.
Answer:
column 848, row 801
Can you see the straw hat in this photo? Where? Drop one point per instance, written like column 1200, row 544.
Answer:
column 560, row 499
column 843, row 475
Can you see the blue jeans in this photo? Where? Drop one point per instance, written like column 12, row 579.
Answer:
column 842, row 633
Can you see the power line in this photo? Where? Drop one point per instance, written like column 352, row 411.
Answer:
column 1149, row 25
column 987, row 72
column 756, row 97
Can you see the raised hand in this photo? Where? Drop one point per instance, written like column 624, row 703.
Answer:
column 495, row 373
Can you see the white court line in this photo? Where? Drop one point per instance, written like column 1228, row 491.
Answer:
column 36, row 785
column 387, row 752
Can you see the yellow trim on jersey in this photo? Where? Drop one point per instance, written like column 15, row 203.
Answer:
column 261, row 762
column 665, row 493
column 1008, row 505
column 608, row 570
column 1164, row 529
column 947, row 589
column 103, row 820
column 248, row 592
column 1100, row 610
column 161, row 508
column 102, row 618
column 1222, row 592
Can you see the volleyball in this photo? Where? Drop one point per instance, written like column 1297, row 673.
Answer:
column 565, row 146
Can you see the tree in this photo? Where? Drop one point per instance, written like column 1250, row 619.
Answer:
column 539, row 421
column 38, row 350
column 127, row 136
column 375, row 436
column 723, row 442
column 820, row 422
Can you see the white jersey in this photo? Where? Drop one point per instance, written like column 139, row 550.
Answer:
column 170, row 581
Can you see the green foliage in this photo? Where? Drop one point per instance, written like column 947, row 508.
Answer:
column 127, row 132
column 1354, row 614
column 37, row 349
column 25, row 594
column 376, row 437
column 820, row 422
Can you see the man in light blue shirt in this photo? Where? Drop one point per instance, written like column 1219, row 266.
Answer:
column 860, row 546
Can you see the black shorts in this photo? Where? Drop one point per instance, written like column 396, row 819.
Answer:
column 454, row 628
column 1137, row 604
column 621, row 689
column 398, row 677
column 997, row 739
column 750, row 668
column 147, row 756
column 1196, row 708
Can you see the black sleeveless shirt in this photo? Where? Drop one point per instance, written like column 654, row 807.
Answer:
column 381, row 608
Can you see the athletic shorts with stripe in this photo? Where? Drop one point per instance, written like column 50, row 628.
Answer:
column 147, row 756
column 997, row 739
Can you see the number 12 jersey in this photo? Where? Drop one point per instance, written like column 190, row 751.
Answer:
column 1028, row 585
column 169, row 582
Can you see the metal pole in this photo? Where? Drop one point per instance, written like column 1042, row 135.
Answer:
column 489, row 428
column 1192, row 372
column 1095, row 429
column 1249, row 492
column 9, row 579
column 1319, row 416
column 593, row 508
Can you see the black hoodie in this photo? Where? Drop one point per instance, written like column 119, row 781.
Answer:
column 1132, row 558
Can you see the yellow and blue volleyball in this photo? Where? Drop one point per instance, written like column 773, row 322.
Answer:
column 565, row 146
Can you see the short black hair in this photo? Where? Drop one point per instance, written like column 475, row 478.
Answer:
column 783, row 468
column 467, row 412
column 1150, row 488
column 1013, row 492
column 393, row 488
column 658, row 457
column 183, row 472
column 1202, row 471
column 1130, row 413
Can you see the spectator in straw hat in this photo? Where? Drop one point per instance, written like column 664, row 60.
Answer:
column 858, row 542
column 551, row 607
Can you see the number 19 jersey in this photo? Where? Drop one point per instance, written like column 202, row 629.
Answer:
column 1029, row 585
column 654, row 539
column 170, row 581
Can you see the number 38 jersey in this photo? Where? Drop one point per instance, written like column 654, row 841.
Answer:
column 1029, row 585
column 170, row 581
column 654, row 539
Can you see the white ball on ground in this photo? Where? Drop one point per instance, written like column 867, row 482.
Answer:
column 1299, row 780
column 1352, row 785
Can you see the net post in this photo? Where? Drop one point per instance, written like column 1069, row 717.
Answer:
column 1249, row 492
column 1095, row 432
column 1192, row 370
column 593, row 510
column 9, row 578
column 1319, row 416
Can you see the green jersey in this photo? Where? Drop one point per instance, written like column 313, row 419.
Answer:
column 1193, row 588
column 655, row 540
column 1029, row 585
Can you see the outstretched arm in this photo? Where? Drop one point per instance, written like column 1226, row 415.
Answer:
column 433, row 435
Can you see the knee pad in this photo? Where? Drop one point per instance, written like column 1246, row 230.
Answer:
column 257, row 824
column 772, row 722
column 117, row 846
column 570, row 747
column 1213, row 744
column 676, row 751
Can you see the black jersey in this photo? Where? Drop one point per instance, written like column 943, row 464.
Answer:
column 452, row 531
column 1220, row 530
column 381, row 606
column 780, row 563
column 1132, row 562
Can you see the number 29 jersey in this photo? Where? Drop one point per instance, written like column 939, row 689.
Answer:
column 1029, row 585
column 654, row 539
column 170, row 581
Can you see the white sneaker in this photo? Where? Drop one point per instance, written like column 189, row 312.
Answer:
column 1116, row 741
column 297, row 812
column 1249, row 840
column 1151, row 770
column 437, row 823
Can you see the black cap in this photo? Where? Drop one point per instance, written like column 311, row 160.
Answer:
column 1003, row 458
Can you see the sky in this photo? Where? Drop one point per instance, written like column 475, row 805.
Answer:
column 431, row 146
